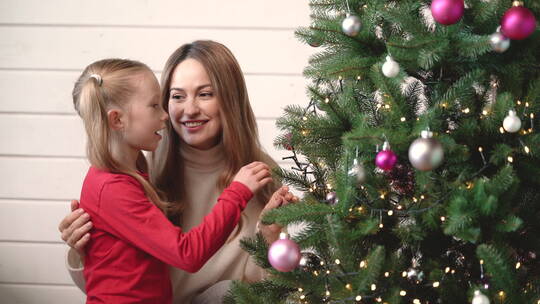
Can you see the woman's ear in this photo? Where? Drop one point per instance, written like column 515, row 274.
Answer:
column 116, row 119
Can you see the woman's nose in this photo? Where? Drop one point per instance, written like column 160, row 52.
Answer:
column 191, row 107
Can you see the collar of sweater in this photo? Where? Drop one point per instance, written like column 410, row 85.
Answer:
column 209, row 160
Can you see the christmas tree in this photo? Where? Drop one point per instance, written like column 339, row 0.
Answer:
column 418, row 155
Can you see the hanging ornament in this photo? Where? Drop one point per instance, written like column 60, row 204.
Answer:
column 499, row 43
column 511, row 123
column 386, row 159
column 357, row 171
column 447, row 12
column 518, row 22
column 390, row 68
column 309, row 262
column 351, row 25
column 332, row 198
column 426, row 153
column 402, row 179
column 479, row 298
column 414, row 274
column 284, row 254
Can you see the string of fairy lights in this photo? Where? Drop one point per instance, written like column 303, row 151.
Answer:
column 365, row 204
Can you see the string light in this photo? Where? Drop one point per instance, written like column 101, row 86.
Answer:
column 390, row 212
column 328, row 293
column 519, row 102
column 485, row 113
column 404, row 274
column 328, row 186
column 466, row 110
column 399, row 207
column 443, row 218
column 363, row 264
column 378, row 299
column 446, row 270
column 348, row 286
column 403, row 119
column 501, row 129
column 304, row 118
column 358, row 78
column 416, row 301
column 300, row 289
column 387, row 106
column 373, row 287
column 328, row 272
column 422, row 196
column 326, row 100
column 387, row 274
column 302, row 297
column 518, row 265
column 403, row 293
column 338, row 261
column 358, row 298
column 527, row 150
column 436, row 284
column 510, row 159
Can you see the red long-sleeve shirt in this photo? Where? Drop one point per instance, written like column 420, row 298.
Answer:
column 132, row 241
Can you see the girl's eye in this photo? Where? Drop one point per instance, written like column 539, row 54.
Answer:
column 177, row 97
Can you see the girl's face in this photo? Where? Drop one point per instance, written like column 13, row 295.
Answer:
column 193, row 106
column 145, row 116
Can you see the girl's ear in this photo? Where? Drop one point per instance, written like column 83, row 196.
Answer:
column 116, row 119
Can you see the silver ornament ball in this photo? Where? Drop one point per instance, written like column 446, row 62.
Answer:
column 512, row 123
column 351, row 25
column 479, row 298
column 426, row 153
column 332, row 198
column 499, row 43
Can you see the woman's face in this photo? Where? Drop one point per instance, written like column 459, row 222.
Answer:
column 194, row 109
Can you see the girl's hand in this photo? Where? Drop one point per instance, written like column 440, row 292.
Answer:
column 280, row 198
column 75, row 228
column 255, row 176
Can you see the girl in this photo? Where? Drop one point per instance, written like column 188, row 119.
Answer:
column 131, row 240
column 192, row 167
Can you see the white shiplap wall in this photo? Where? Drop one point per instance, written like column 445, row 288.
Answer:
column 43, row 47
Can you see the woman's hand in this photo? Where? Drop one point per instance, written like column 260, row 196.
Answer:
column 280, row 198
column 255, row 176
column 75, row 228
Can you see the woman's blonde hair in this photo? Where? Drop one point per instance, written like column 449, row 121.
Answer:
column 239, row 136
column 102, row 85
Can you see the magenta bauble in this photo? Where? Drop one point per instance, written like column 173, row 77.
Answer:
column 447, row 12
column 284, row 254
column 518, row 23
column 386, row 159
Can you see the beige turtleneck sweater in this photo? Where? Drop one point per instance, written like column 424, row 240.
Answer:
column 202, row 170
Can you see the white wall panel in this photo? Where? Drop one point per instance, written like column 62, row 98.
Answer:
column 73, row 48
column 201, row 13
column 50, row 92
column 42, row 294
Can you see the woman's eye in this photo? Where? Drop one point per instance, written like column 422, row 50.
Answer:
column 207, row 94
column 155, row 106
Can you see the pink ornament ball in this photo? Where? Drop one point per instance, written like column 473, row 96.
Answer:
column 386, row 159
column 284, row 255
column 447, row 12
column 518, row 23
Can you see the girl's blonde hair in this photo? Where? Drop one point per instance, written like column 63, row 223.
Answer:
column 240, row 137
column 101, row 86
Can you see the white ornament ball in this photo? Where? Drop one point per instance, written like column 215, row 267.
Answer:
column 479, row 298
column 499, row 43
column 512, row 123
column 351, row 25
column 426, row 153
column 390, row 68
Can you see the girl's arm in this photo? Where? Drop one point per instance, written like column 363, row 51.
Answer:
column 127, row 213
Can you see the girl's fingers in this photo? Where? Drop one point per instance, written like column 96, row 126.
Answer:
column 69, row 219
column 262, row 174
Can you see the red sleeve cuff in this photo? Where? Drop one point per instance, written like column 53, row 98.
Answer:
column 242, row 191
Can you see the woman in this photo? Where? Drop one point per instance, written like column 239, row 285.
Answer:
column 212, row 133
